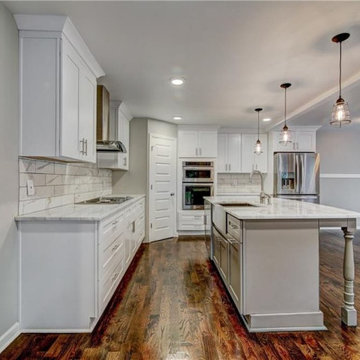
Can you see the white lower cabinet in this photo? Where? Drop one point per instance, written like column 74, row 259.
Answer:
column 70, row 269
column 193, row 220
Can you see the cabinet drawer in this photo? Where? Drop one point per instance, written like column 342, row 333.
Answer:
column 107, row 287
column 234, row 227
column 111, row 252
column 111, row 231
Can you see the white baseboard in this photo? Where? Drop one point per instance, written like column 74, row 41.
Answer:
column 9, row 336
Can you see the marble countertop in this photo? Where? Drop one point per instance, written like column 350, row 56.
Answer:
column 76, row 212
column 281, row 209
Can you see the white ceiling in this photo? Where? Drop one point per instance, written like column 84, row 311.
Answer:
column 233, row 55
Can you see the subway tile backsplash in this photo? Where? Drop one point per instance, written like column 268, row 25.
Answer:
column 57, row 184
column 237, row 183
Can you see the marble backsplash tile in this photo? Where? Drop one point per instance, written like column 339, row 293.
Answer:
column 57, row 184
column 237, row 183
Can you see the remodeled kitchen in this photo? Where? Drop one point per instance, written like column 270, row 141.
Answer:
column 174, row 188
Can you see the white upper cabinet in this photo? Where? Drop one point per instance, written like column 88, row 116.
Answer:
column 250, row 160
column 58, row 90
column 197, row 143
column 119, row 130
column 229, row 153
column 303, row 140
column 236, row 153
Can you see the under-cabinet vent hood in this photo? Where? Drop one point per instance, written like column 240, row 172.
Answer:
column 103, row 143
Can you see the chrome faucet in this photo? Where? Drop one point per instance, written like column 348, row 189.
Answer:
column 263, row 195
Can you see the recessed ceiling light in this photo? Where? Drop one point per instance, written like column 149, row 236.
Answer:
column 177, row 118
column 177, row 81
column 266, row 119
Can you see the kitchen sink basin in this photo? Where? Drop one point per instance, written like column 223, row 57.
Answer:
column 242, row 204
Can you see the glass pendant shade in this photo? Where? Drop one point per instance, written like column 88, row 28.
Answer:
column 340, row 114
column 285, row 136
column 258, row 147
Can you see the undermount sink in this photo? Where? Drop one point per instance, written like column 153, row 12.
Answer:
column 243, row 204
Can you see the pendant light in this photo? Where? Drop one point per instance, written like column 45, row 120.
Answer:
column 285, row 135
column 340, row 114
column 258, row 145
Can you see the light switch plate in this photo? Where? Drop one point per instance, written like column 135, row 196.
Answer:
column 30, row 187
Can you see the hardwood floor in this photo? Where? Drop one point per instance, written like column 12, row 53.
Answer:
column 172, row 306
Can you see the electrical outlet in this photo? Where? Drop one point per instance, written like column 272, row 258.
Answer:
column 30, row 187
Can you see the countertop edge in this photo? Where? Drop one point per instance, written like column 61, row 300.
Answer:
column 41, row 216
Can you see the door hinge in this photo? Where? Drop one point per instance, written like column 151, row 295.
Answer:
column 151, row 187
column 151, row 226
column 152, row 147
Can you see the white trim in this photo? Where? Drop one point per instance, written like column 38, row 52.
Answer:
column 9, row 336
column 340, row 176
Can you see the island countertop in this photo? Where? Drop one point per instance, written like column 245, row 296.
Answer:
column 280, row 209
column 80, row 212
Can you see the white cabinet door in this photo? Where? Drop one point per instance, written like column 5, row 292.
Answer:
column 188, row 143
column 124, row 136
column 305, row 141
column 207, row 144
column 251, row 161
column 87, row 115
column 234, row 153
column 222, row 153
column 69, row 127
column 247, row 152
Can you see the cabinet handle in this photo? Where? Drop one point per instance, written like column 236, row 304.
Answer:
column 124, row 162
column 205, row 222
column 115, row 247
column 133, row 228
column 82, row 146
column 85, row 142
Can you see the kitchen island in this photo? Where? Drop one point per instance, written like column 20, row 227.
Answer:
column 268, row 258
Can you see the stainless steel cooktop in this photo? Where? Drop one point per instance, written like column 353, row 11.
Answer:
column 105, row 200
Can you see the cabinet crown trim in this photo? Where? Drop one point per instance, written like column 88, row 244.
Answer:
column 63, row 25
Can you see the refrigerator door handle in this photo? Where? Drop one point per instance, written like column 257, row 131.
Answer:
column 297, row 174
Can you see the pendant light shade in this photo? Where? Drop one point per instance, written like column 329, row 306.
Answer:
column 258, row 146
column 285, row 135
column 340, row 114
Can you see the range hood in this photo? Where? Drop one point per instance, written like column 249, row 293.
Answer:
column 103, row 143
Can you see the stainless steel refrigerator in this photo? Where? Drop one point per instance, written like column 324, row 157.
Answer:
column 296, row 176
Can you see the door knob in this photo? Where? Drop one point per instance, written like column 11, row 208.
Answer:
column 172, row 194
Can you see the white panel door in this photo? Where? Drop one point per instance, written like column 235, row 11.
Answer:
column 188, row 143
column 87, row 115
column 70, row 142
column 207, row 144
column 234, row 152
column 162, row 187
column 222, row 153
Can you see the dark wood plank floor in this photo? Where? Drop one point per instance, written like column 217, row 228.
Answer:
column 172, row 306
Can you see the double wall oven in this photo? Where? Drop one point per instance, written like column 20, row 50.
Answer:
column 197, row 182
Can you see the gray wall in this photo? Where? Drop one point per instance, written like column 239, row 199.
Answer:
column 9, row 135
column 340, row 154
